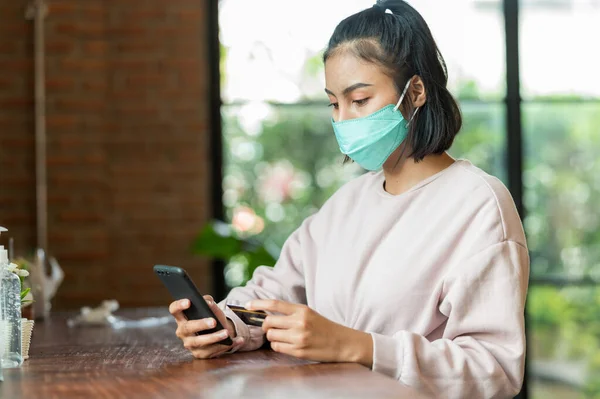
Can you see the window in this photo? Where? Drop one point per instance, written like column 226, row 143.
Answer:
column 561, row 176
column 281, row 160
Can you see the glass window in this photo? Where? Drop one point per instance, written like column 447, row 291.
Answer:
column 562, row 196
column 282, row 161
column 470, row 36
column 563, row 339
column 272, row 49
column 562, row 188
column 558, row 48
column 482, row 139
column 561, row 178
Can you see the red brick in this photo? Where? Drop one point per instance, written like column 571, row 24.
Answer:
column 80, row 216
column 63, row 161
column 91, row 8
column 66, row 255
column 77, row 65
column 62, row 8
column 124, row 31
column 12, row 28
column 138, row 47
column 80, row 105
column 133, row 94
column 59, row 47
column 59, row 199
column 58, row 121
column 17, row 218
column 6, row 83
column 17, row 66
column 95, row 48
column 146, row 79
column 133, row 65
column 95, row 85
column 135, row 111
column 68, row 237
column 144, row 14
column 65, row 83
column 65, row 181
column 174, row 32
column 16, row 103
column 9, row 48
column 190, row 16
column 6, row 162
column 73, row 10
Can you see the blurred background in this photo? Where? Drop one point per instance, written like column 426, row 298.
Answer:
column 197, row 134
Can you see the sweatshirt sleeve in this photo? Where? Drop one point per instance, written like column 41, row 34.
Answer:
column 482, row 351
column 285, row 281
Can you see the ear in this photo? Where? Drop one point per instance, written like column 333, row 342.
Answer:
column 416, row 91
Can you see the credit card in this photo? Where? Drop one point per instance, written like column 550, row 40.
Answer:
column 250, row 317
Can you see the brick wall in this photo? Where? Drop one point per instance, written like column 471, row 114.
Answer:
column 128, row 142
column 17, row 168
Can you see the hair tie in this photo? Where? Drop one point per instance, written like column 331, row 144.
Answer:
column 383, row 9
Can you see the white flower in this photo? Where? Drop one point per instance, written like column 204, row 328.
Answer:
column 15, row 269
column 22, row 273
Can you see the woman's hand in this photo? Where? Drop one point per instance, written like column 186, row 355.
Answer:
column 303, row 333
column 204, row 346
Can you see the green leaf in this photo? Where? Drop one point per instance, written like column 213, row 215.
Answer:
column 216, row 240
column 24, row 293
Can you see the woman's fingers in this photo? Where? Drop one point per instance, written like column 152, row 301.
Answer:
column 176, row 308
column 198, row 341
column 215, row 350
column 237, row 343
column 191, row 327
column 204, row 346
column 273, row 305
column 281, row 322
column 286, row 336
column 221, row 316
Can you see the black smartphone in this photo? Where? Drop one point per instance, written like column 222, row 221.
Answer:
column 181, row 286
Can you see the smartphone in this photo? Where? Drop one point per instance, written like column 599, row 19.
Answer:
column 181, row 286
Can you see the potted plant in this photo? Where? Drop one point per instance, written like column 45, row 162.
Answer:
column 20, row 268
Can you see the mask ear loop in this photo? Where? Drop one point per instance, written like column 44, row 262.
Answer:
column 402, row 98
column 402, row 95
column 413, row 115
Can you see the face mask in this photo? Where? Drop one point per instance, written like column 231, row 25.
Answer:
column 370, row 140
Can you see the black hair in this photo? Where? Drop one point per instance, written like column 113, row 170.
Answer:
column 403, row 46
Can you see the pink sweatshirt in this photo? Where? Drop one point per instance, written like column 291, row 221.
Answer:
column 437, row 275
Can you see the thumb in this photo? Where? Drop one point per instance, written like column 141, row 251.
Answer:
column 221, row 316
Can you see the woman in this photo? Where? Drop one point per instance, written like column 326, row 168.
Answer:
column 418, row 271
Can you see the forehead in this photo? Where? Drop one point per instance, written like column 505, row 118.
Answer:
column 344, row 68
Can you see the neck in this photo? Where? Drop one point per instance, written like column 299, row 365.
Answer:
column 403, row 175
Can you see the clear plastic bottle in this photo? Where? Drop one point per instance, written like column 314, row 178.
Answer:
column 10, row 313
column 1, row 343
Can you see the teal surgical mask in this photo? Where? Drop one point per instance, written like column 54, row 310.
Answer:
column 370, row 140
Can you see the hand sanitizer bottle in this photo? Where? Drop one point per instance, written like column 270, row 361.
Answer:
column 10, row 312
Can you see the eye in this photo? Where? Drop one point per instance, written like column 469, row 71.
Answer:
column 334, row 105
column 361, row 102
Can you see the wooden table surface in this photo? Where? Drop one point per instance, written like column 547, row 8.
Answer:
column 150, row 362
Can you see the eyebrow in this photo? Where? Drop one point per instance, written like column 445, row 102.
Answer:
column 349, row 89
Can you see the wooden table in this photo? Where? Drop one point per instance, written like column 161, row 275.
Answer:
column 150, row 362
